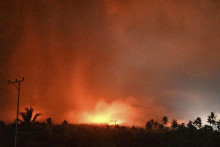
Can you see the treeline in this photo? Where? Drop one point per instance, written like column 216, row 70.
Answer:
column 163, row 133
column 214, row 124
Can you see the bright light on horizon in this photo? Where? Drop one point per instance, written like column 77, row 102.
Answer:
column 116, row 112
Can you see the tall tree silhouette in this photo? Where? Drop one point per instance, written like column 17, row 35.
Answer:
column 156, row 124
column 174, row 124
column 212, row 119
column 27, row 117
column 165, row 120
column 149, row 125
column 198, row 122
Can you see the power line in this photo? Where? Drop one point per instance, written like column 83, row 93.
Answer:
column 17, row 86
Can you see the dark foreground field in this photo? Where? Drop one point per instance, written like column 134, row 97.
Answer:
column 42, row 134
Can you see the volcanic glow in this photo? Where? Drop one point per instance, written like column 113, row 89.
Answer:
column 104, row 113
column 116, row 112
column 83, row 60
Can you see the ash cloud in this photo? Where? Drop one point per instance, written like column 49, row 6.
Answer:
column 74, row 54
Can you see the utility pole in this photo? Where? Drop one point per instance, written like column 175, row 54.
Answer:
column 14, row 83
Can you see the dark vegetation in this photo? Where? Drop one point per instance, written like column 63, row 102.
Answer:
column 155, row 134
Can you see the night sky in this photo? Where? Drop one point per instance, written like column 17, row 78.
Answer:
column 96, row 60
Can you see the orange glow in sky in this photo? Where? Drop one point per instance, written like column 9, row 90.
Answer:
column 116, row 112
column 96, row 61
column 105, row 112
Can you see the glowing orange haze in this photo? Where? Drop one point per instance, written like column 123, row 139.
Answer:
column 105, row 113
column 95, row 109
column 124, row 60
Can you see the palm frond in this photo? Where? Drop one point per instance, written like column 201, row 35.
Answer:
column 24, row 116
column 35, row 117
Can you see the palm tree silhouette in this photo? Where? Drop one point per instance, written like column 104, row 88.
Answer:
column 174, row 124
column 198, row 122
column 165, row 120
column 212, row 119
column 155, row 124
column 149, row 125
column 27, row 117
